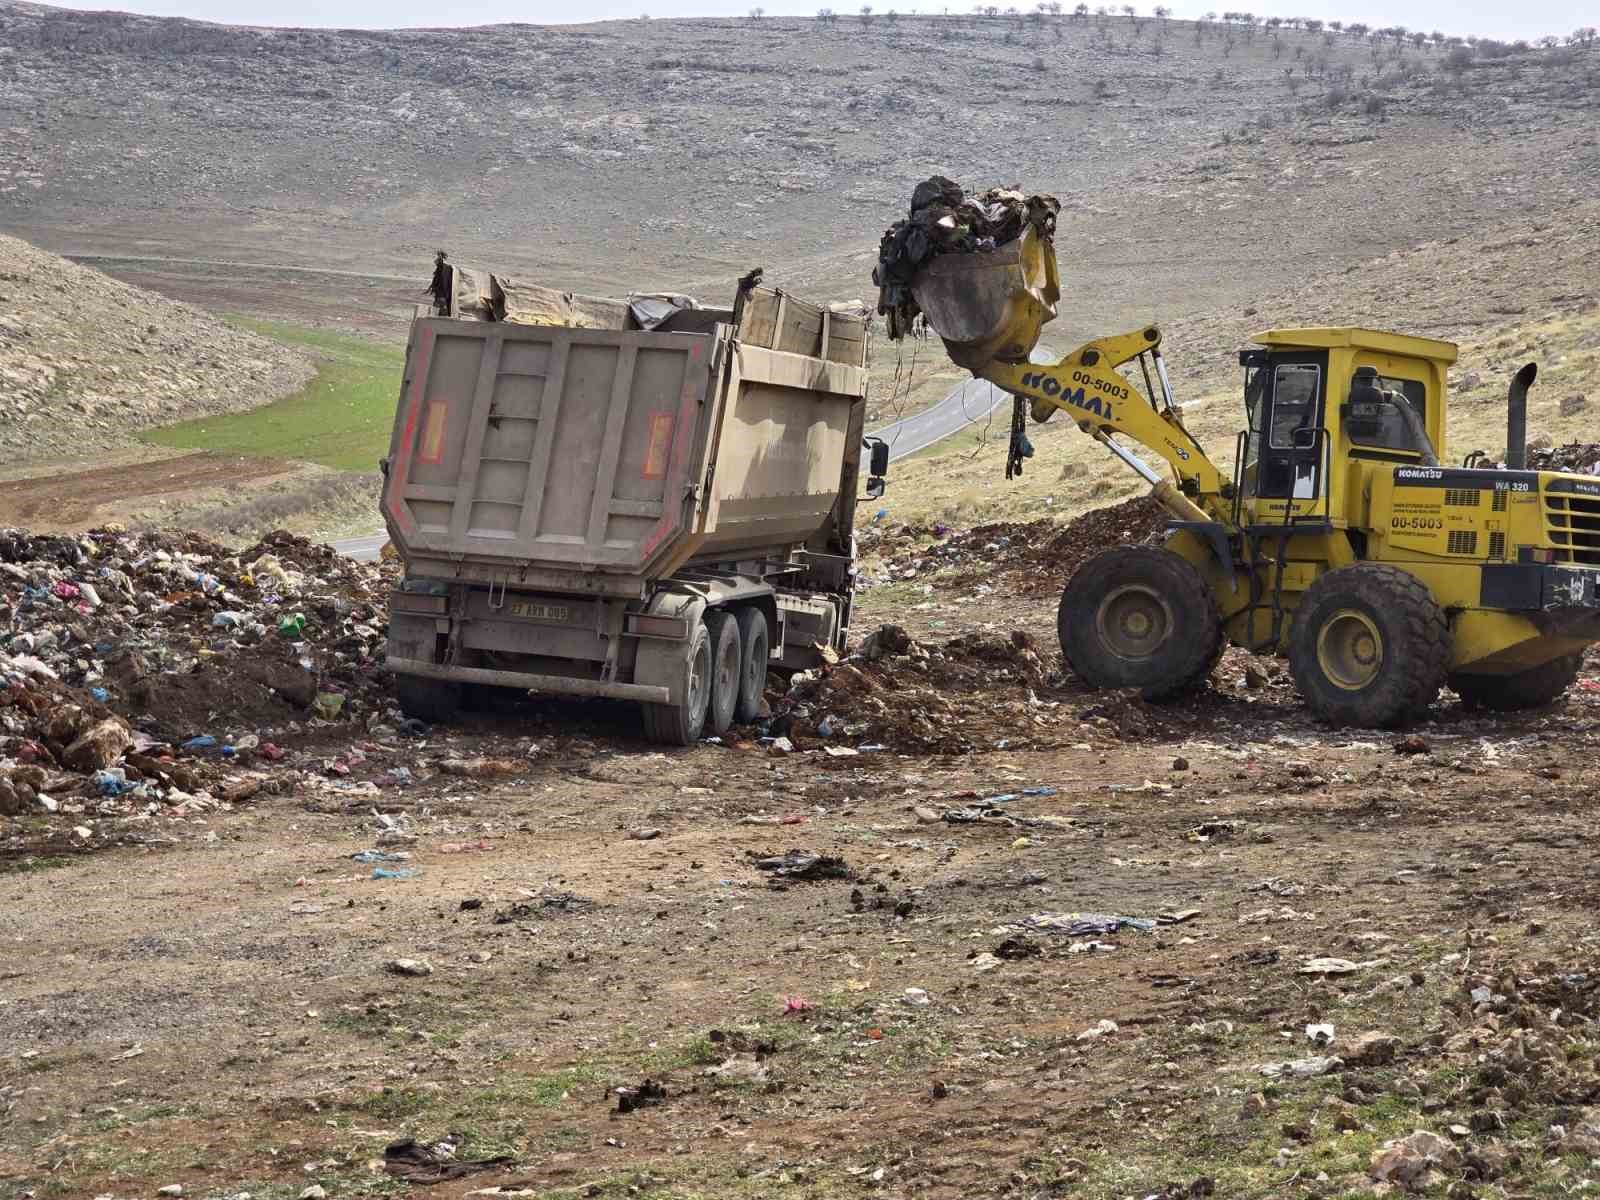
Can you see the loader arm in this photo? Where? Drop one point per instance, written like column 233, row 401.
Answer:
column 1086, row 386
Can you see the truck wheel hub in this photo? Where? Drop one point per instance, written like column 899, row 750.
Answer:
column 1133, row 621
column 1350, row 650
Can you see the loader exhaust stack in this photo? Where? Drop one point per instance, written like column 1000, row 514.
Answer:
column 1517, row 417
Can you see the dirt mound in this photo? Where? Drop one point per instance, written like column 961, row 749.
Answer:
column 979, row 691
column 966, row 695
column 1031, row 556
column 85, row 358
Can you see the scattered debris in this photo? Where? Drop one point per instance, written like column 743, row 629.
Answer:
column 647, row 1093
column 435, row 1162
column 1084, row 924
column 1337, row 966
column 801, row 864
column 1407, row 1160
column 1303, row 1068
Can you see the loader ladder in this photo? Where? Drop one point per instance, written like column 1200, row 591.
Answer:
column 1255, row 536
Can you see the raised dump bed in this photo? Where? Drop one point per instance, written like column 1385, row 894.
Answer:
column 647, row 514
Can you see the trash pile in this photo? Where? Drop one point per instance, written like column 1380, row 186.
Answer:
column 1582, row 458
column 1031, row 556
column 944, row 220
column 149, row 674
column 185, row 638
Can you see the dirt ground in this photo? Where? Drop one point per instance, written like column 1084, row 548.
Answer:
column 212, row 1004
column 131, row 489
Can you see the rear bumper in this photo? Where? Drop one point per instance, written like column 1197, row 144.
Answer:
column 1562, row 601
column 559, row 685
column 1540, row 587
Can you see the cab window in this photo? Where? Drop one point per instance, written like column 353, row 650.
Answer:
column 1294, row 402
column 1388, row 429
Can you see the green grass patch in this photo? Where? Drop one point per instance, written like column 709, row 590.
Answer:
column 548, row 1090
column 341, row 419
column 395, row 1103
column 26, row 866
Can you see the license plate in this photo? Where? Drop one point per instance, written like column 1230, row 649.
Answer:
column 534, row 610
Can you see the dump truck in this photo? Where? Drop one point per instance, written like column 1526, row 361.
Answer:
column 644, row 500
column 1340, row 539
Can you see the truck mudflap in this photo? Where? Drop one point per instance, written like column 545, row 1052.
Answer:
column 558, row 685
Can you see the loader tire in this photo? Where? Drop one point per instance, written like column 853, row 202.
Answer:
column 1533, row 688
column 682, row 724
column 1369, row 646
column 757, row 646
column 1140, row 617
column 431, row 700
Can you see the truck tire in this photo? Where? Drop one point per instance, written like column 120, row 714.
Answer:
column 1369, row 646
column 727, row 665
column 430, row 700
column 756, row 648
column 1533, row 688
column 1139, row 617
column 682, row 724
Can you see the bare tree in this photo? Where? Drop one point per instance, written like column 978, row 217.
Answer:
column 825, row 15
column 866, row 13
column 757, row 13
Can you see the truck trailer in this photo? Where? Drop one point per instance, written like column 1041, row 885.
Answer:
column 593, row 499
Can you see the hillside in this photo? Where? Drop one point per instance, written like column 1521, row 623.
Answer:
column 1198, row 166
column 85, row 359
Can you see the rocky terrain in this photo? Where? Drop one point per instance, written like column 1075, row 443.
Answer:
column 86, row 359
column 680, row 153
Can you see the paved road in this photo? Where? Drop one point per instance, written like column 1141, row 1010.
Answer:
column 966, row 404
column 364, row 548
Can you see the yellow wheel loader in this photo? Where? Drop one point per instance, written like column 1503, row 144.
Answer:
column 1339, row 539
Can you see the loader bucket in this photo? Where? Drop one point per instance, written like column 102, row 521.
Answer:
column 989, row 306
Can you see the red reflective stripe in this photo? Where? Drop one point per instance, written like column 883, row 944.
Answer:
column 400, row 468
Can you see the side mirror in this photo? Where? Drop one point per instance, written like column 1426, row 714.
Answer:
column 875, row 487
column 879, row 463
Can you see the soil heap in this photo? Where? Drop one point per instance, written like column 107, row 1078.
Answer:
column 85, row 359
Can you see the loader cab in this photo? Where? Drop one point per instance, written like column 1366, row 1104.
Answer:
column 1320, row 399
column 1286, row 444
